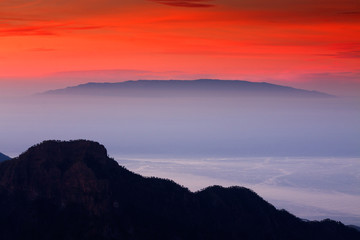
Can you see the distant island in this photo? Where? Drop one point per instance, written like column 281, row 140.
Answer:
column 73, row 190
column 187, row 88
column 3, row 157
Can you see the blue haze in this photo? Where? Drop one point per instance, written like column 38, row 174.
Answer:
column 222, row 127
column 299, row 154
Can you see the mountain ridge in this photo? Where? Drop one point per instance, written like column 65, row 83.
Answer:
column 186, row 88
column 73, row 190
column 3, row 157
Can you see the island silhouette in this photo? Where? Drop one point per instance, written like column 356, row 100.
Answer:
column 187, row 88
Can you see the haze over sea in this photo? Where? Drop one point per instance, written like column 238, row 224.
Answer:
column 312, row 188
column 299, row 154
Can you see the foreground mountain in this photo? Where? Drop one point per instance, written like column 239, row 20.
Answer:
column 3, row 157
column 181, row 88
column 73, row 190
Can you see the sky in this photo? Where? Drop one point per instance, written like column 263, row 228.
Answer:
column 301, row 43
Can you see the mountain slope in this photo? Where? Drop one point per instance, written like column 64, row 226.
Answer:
column 3, row 157
column 181, row 88
column 73, row 190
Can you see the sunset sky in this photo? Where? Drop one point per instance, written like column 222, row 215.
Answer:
column 302, row 43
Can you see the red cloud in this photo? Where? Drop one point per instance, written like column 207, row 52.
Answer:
column 23, row 31
column 41, row 30
column 185, row 3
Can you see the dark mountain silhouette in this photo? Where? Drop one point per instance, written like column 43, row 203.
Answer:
column 355, row 227
column 73, row 190
column 3, row 157
column 182, row 88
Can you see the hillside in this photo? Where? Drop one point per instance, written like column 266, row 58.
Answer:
column 73, row 190
column 3, row 157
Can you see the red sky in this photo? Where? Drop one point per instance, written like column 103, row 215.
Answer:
column 306, row 43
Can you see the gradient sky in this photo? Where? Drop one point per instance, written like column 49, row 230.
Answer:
column 307, row 43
